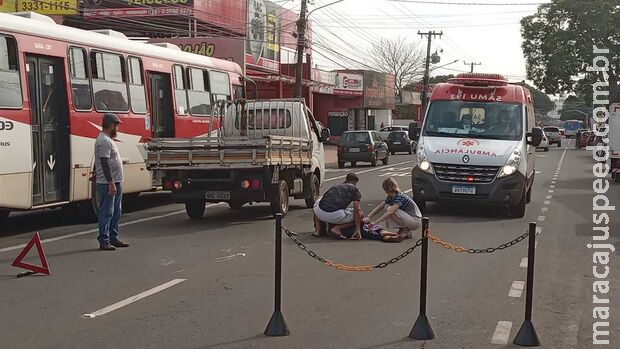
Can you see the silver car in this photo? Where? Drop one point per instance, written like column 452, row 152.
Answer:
column 553, row 134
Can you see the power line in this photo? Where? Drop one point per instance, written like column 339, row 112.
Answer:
column 471, row 3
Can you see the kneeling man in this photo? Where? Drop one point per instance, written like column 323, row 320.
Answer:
column 333, row 209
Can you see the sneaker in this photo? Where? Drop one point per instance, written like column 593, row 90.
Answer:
column 118, row 243
column 106, row 247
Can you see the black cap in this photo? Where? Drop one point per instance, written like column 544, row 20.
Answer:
column 110, row 118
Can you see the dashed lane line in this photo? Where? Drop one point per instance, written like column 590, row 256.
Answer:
column 502, row 332
column 516, row 289
column 542, row 218
column 523, row 263
column 132, row 299
column 366, row 171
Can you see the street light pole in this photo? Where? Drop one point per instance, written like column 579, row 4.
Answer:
column 430, row 35
column 472, row 64
column 301, row 41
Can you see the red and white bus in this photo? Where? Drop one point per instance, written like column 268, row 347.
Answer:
column 55, row 84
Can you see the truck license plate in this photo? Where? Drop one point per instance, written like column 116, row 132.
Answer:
column 218, row 195
column 354, row 150
column 464, row 189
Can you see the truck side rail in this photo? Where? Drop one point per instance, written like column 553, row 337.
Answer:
column 209, row 153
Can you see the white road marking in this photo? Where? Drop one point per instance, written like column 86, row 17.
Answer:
column 538, row 230
column 553, row 182
column 365, row 171
column 547, row 202
column 549, row 197
column 227, row 258
column 552, row 186
column 544, row 209
column 538, row 172
column 132, row 299
column 541, row 218
column 523, row 263
column 408, row 191
column 551, row 191
column 90, row 231
column 536, row 244
column 516, row 289
column 502, row 332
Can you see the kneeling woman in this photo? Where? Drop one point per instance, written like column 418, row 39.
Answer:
column 401, row 211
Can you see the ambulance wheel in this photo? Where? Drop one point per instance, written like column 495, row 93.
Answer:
column 279, row 198
column 528, row 196
column 421, row 204
column 195, row 209
column 518, row 210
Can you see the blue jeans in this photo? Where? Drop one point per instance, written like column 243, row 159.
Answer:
column 109, row 212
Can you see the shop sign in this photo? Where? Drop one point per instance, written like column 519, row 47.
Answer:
column 379, row 90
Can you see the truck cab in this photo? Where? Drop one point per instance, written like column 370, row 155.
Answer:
column 477, row 144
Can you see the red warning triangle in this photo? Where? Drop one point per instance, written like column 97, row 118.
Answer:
column 43, row 269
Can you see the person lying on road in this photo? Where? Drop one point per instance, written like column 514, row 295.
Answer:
column 400, row 210
column 333, row 209
column 374, row 232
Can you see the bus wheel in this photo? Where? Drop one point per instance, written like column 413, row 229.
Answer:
column 4, row 214
column 195, row 209
column 279, row 198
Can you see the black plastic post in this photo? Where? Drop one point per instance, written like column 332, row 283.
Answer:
column 527, row 337
column 277, row 325
column 422, row 328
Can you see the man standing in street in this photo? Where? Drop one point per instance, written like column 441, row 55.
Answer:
column 333, row 209
column 109, row 176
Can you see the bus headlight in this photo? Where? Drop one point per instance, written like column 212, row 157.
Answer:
column 423, row 162
column 511, row 165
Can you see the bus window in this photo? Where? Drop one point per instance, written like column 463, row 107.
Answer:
column 80, row 86
column 220, row 85
column 11, row 96
column 239, row 92
column 180, row 95
column 108, row 82
column 199, row 96
column 137, row 95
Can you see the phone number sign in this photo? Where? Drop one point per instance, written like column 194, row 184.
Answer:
column 48, row 7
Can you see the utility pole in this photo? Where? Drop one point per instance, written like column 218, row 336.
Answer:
column 301, row 44
column 472, row 64
column 430, row 35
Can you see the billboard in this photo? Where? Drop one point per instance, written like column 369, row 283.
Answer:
column 263, row 35
column 44, row 7
column 230, row 49
column 378, row 90
column 137, row 8
column 337, row 83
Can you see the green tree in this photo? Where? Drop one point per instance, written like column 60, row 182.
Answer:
column 558, row 45
column 542, row 103
column 574, row 109
column 440, row 78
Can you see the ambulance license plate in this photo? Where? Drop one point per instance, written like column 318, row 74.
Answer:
column 464, row 189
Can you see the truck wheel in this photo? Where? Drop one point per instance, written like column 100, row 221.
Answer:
column 279, row 199
column 518, row 210
column 393, row 152
column 340, row 164
column 312, row 185
column 546, row 148
column 235, row 205
column 386, row 160
column 195, row 209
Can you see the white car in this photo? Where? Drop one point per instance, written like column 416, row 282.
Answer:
column 385, row 132
column 545, row 142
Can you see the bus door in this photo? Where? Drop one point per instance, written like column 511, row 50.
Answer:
column 50, row 132
column 162, row 110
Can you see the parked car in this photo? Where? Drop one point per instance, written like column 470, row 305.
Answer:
column 553, row 134
column 385, row 132
column 562, row 131
column 399, row 141
column 544, row 144
column 362, row 146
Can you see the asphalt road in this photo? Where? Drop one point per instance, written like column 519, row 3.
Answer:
column 211, row 281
